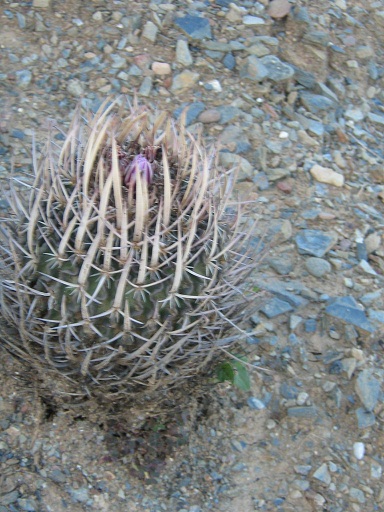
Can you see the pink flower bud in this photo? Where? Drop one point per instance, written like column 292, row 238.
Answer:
column 139, row 164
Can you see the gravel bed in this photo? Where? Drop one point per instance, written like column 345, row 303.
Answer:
column 294, row 93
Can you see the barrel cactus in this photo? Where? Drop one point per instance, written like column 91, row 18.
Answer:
column 125, row 261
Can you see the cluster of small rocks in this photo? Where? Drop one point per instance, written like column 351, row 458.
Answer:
column 294, row 93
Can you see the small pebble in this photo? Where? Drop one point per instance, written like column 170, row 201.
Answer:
column 327, row 175
column 358, row 450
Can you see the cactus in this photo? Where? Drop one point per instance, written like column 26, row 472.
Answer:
column 126, row 268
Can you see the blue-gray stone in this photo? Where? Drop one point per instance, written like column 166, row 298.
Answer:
column 277, row 70
column 370, row 297
column 23, row 77
column 322, row 474
column 317, row 267
column 316, row 103
column 276, row 307
column 18, row 134
column 283, row 290
column 283, row 264
column 228, row 113
column 365, row 418
column 21, row 20
column 377, row 315
column 288, row 391
column 347, row 309
column 255, row 403
column 315, row 242
column 194, row 26
column 146, row 86
column 229, row 61
column 80, row 495
column 304, row 78
column 311, row 214
column 361, row 251
column 135, row 70
column 357, row 494
column 253, row 69
column 10, row 497
column 261, row 181
column 311, row 125
column 368, row 389
column 27, row 504
column 302, row 411
column 310, row 325
column 192, row 111
column 376, row 118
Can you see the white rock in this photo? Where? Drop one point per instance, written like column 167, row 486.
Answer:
column 327, row 175
column 366, row 267
column 253, row 20
column 372, row 242
column 358, row 450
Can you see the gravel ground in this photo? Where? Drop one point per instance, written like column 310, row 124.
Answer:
column 294, row 91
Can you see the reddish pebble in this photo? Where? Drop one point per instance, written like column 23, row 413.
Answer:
column 142, row 61
column 279, row 8
column 209, row 116
column 285, row 187
column 161, row 68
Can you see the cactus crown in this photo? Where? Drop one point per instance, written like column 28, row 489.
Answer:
column 126, row 267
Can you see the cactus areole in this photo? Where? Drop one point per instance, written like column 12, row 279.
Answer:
column 125, row 268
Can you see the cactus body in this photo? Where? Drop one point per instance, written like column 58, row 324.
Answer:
column 125, row 267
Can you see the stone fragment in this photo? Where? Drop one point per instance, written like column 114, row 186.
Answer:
column 365, row 52
column 146, row 86
column 253, row 20
column 376, row 118
column 275, row 307
column 327, row 175
column 317, row 267
column 358, row 450
column 285, row 186
column 355, row 114
column 372, row 242
column 75, row 88
column 316, row 103
column 367, row 268
column 195, row 27
column 283, row 264
column 357, row 495
column 255, row 403
column 253, row 69
column 306, row 139
column 277, row 71
column 315, row 242
column 348, row 310
column 368, row 389
column 42, row 4
column 365, row 418
column 322, row 474
column 183, row 55
column 279, row 8
column 184, row 80
column 23, row 78
column 229, row 160
column 161, row 68
column 300, row 411
column 150, row 31
column 209, row 116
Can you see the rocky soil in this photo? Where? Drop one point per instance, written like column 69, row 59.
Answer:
column 294, row 92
